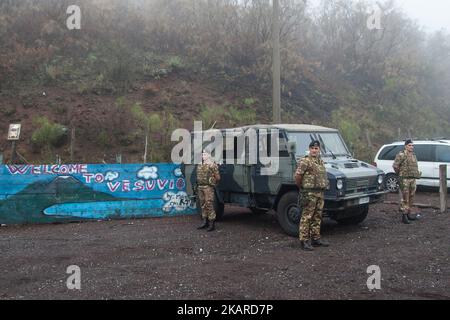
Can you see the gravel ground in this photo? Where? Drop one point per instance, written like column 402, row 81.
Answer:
column 249, row 257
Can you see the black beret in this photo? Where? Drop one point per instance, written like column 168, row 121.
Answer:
column 409, row 141
column 314, row 144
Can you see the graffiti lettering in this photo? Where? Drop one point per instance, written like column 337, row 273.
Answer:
column 128, row 186
column 48, row 169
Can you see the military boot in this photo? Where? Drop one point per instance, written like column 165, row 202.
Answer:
column 212, row 226
column 405, row 219
column 320, row 243
column 306, row 246
column 204, row 225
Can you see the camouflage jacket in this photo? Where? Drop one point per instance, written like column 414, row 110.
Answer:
column 313, row 173
column 206, row 174
column 406, row 165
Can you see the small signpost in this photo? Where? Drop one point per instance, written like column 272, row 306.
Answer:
column 13, row 136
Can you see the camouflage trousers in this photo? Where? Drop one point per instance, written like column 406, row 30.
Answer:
column 312, row 208
column 206, row 197
column 408, row 189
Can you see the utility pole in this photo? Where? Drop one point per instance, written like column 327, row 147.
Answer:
column 276, row 63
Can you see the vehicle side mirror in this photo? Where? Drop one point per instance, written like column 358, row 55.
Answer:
column 292, row 147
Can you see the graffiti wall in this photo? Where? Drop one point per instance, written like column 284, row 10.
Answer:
column 63, row 193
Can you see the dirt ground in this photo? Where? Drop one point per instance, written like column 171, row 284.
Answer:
column 249, row 257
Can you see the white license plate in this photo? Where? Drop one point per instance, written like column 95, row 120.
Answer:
column 364, row 200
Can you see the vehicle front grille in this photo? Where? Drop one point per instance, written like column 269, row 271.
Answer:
column 362, row 185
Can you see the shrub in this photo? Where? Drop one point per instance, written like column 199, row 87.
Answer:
column 241, row 116
column 249, row 102
column 175, row 63
column 210, row 115
column 48, row 134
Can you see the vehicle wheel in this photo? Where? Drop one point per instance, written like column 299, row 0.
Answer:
column 360, row 216
column 259, row 211
column 392, row 183
column 289, row 213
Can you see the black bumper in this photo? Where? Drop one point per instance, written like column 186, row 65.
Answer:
column 346, row 203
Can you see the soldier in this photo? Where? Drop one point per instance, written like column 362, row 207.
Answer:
column 311, row 179
column 406, row 167
column 207, row 178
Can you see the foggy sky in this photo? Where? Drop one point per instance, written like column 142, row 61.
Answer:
column 432, row 14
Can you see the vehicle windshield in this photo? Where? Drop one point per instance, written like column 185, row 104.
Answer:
column 332, row 143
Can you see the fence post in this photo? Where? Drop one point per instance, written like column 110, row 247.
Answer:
column 443, row 188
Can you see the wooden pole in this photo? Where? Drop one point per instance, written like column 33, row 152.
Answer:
column 13, row 156
column 443, row 189
column 146, row 148
column 276, row 63
column 72, row 144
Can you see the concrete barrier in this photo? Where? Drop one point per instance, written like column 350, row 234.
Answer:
column 65, row 193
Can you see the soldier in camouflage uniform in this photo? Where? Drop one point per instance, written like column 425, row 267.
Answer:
column 312, row 180
column 207, row 178
column 406, row 167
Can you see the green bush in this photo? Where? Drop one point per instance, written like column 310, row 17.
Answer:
column 210, row 115
column 175, row 63
column 249, row 102
column 237, row 116
column 48, row 134
column 52, row 73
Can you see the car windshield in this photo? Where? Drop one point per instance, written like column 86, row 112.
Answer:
column 332, row 143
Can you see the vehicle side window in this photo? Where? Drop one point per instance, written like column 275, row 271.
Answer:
column 425, row 153
column 389, row 153
column 443, row 154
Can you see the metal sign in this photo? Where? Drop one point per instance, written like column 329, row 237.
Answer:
column 14, row 132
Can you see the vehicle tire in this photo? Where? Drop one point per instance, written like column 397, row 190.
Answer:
column 392, row 183
column 219, row 207
column 259, row 211
column 289, row 213
column 360, row 215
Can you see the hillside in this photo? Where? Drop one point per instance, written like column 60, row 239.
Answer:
column 140, row 68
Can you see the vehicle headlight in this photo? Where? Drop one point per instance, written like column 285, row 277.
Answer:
column 339, row 184
column 380, row 179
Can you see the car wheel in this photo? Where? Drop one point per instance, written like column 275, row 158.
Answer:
column 392, row 183
column 289, row 213
column 360, row 215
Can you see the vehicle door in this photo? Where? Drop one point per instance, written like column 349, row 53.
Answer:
column 234, row 171
column 267, row 184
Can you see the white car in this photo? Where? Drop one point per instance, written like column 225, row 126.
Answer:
column 430, row 155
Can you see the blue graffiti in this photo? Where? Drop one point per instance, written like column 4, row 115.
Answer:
column 46, row 193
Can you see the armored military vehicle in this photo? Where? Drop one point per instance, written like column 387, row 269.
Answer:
column 354, row 185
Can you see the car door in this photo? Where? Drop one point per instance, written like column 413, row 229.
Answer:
column 426, row 156
column 442, row 158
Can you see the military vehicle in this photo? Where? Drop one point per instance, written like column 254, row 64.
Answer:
column 354, row 185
